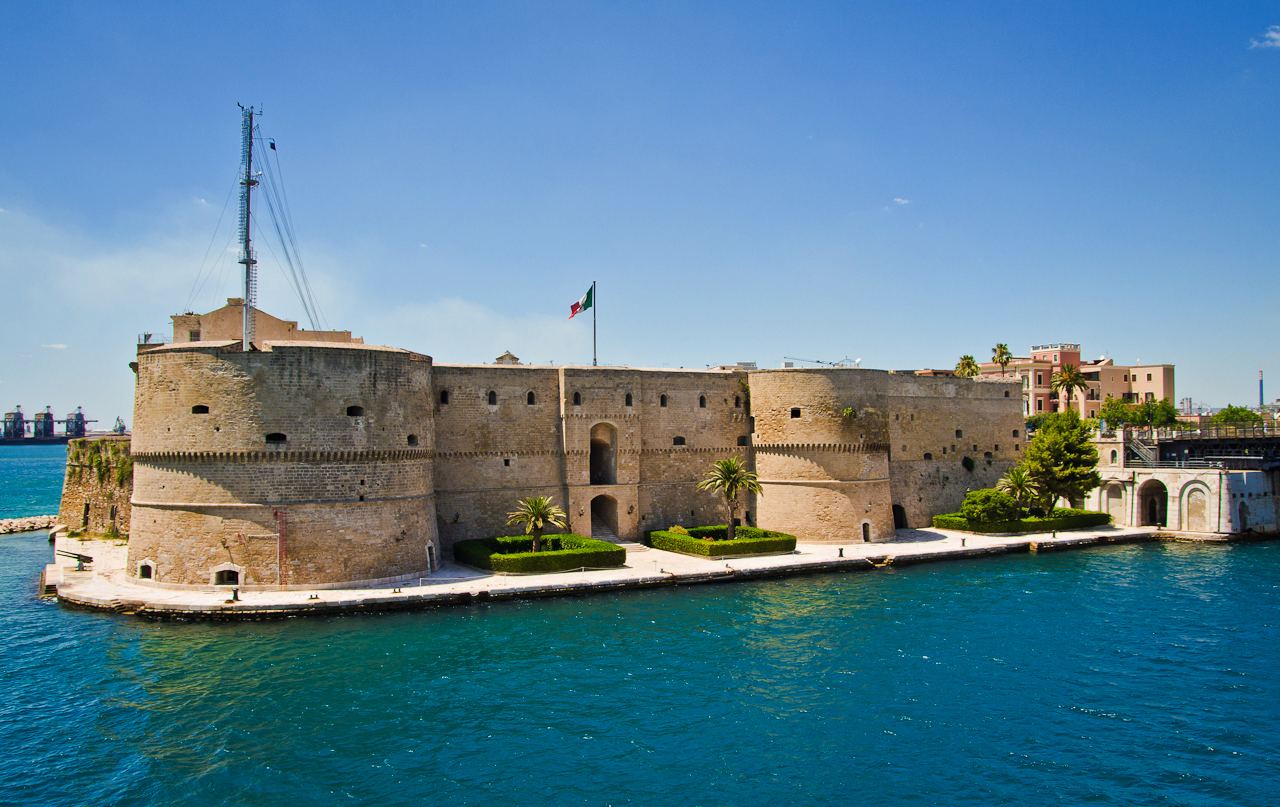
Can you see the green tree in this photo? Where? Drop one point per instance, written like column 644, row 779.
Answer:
column 1066, row 380
column 1019, row 484
column 1062, row 460
column 1116, row 412
column 1236, row 414
column 987, row 506
column 967, row 367
column 537, row 513
column 1155, row 413
column 1000, row 355
column 731, row 477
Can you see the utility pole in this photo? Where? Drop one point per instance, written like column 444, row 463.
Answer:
column 246, row 252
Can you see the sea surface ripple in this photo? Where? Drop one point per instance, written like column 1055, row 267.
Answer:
column 1129, row 675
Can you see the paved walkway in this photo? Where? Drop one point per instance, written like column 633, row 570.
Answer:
column 106, row 585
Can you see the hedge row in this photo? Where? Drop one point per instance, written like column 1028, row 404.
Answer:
column 1063, row 518
column 747, row 541
column 559, row 553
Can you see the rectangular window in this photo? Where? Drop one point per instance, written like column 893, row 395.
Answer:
column 194, row 336
column 1039, row 379
column 1039, row 404
column 1148, row 376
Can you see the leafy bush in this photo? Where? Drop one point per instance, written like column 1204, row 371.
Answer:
column 711, row 541
column 988, row 505
column 678, row 530
column 560, row 553
column 1063, row 518
column 967, row 462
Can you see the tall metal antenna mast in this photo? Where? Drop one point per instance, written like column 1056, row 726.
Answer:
column 246, row 252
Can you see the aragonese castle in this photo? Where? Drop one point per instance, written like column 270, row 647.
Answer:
column 312, row 460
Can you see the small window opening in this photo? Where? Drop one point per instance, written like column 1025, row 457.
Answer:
column 361, row 497
column 1015, row 432
column 628, row 399
column 1006, row 393
column 113, row 512
column 677, row 441
column 702, row 402
column 928, row 456
column 144, row 571
column 85, row 520
column 355, row 411
column 199, row 409
column 737, row 402
column 986, row 455
column 493, row 398
column 577, row 399
column 529, row 399
column 795, row 413
column 444, row 396
column 413, row 439
column 276, row 438
column 194, row 336
column 944, row 451
column 226, row 577
column 997, row 447
column 866, row 533
column 506, row 463
column 662, row 400
column 742, row 439
column 959, row 432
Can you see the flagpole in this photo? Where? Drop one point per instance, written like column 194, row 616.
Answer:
column 593, row 323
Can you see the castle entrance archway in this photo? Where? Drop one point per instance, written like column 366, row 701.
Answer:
column 1153, row 504
column 604, row 518
column 604, row 454
column 899, row 517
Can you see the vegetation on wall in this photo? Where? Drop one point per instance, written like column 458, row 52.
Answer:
column 100, row 457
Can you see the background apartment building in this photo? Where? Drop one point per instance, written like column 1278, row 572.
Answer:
column 1140, row 382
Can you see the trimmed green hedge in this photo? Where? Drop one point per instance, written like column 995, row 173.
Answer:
column 747, row 541
column 559, row 553
column 1063, row 518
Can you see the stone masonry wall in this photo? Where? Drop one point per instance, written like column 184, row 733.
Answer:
column 337, row 439
column 97, row 486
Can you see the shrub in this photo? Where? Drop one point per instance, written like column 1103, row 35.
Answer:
column 1063, row 518
column 711, row 541
column 967, row 462
column 985, row 506
column 678, row 530
column 515, row 554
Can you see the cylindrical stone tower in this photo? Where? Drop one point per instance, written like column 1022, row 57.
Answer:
column 302, row 465
column 821, row 449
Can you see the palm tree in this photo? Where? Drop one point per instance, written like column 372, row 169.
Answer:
column 1000, row 355
column 731, row 477
column 1067, row 380
column 537, row 513
column 1019, row 484
column 967, row 367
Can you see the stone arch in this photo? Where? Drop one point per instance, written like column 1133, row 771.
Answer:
column 604, row 454
column 604, row 517
column 1195, row 507
column 866, row 532
column 1113, row 503
column 899, row 517
column 226, row 574
column 1153, row 504
column 147, row 569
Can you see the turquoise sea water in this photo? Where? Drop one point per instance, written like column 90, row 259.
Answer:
column 31, row 480
column 1128, row 675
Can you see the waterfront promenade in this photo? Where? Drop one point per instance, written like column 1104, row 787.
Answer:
column 105, row 585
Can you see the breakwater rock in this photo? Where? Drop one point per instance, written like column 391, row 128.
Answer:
column 28, row 524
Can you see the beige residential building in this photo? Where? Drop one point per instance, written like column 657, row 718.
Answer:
column 1135, row 383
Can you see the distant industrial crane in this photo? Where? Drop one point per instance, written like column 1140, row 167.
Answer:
column 845, row 362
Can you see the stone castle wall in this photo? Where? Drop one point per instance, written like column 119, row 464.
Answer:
column 352, row 462
column 317, row 455
column 97, row 486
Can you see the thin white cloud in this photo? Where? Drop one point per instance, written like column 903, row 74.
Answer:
column 1271, row 39
column 56, row 346
column 901, row 201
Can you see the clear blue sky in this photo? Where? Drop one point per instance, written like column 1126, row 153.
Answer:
column 900, row 183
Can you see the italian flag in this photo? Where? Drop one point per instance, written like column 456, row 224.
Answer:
column 583, row 304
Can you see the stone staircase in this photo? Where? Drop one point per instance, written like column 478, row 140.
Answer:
column 601, row 532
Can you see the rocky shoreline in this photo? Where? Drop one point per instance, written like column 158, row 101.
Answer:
column 28, row 524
